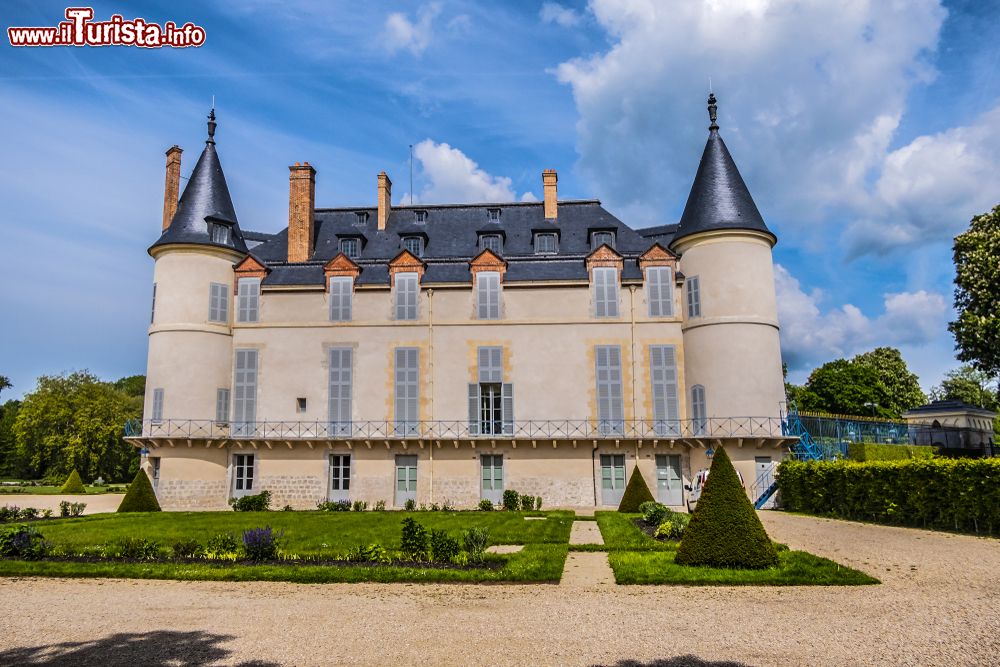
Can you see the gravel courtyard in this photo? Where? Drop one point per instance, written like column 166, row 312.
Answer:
column 939, row 604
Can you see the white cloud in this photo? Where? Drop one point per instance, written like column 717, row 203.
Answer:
column 450, row 176
column 810, row 96
column 553, row 12
column 810, row 336
column 415, row 36
column 529, row 196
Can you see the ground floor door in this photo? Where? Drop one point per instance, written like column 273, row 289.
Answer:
column 406, row 480
column 242, row 475
column 492, row 477
column 669, row 484
column 764, row 470
column 612, row 479
column 340, row 477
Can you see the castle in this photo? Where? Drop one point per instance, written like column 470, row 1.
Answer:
column 445, row 353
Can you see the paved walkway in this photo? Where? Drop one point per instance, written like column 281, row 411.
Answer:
column 585, row 532
column 938, row 606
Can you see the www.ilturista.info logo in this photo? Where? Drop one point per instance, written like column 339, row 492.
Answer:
column 80, row 30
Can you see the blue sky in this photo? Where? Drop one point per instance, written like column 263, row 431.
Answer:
column 868, row 132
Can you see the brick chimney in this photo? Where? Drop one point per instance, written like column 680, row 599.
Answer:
column 549, row 179
column 172, row 187
column 301, row 204
column 384, row 199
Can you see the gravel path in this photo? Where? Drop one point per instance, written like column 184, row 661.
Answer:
column 96, row 502
column 938, row 606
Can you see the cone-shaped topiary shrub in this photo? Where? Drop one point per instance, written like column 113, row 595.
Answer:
column 140, row 496
column 636, row 493
column 73, row 484
column 724, row 529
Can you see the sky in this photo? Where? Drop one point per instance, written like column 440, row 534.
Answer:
column 868, row 133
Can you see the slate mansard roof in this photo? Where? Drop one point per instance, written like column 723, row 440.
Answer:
column 719, row 199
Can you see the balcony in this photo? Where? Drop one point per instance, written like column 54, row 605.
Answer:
column 692, row 431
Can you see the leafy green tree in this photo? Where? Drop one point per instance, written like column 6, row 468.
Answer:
column 898, row 388
column 11, row 463
column 4, row 383
column 876, row 383
column 977, row 293
column 75, row 421
column 968, row 385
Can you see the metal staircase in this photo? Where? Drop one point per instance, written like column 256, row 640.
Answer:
column 805, row 449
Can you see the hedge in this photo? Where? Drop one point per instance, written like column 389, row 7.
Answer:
column 870, row 451
column 140, row 496
column 636, row 493
column 950, row 494
column 73, row 485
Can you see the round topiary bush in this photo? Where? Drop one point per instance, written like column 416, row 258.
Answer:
column 140, row 496
column 73, row 485
column 724, row 530
column 636, row 493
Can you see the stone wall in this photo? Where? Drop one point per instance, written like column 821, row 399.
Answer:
column 192, row 494
column 302, row 492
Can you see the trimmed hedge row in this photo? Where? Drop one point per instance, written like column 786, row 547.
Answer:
column 950, row 494
column 870, row 451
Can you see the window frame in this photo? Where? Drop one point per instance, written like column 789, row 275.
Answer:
column 248, row 300
column 245, row 381
column 406, row 296
column 244, row 473
column 340, row 390
column 491, row 237
column 223, row 396
column 594, row 244
column 663, row 389
column 606, row 292
column 655, row 303
column 547, row 235
column 350, row 241
column 219, row 229
column 699, row 411
column 421, row 245
column 610, row 389
column 692, row 290
column 493, row 214
column 218, row 303
column 406, row 390
column 489, row 295
column 340, row 291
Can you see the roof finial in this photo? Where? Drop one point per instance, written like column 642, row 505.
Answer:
column 211, row 125
column 712, row 112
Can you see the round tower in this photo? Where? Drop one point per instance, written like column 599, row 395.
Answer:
column 190, row 334
column 732, row 353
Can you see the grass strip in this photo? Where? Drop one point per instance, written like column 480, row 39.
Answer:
column 621, row 534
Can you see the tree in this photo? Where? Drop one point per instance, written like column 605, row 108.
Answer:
column 140, row 496
column 968, row 385
column 876, row 383
column 11, row 464
column 73, row 484
column 4, row 383
column 977, row 293
column 636, row 493
column 725, row 530
column 75, row 421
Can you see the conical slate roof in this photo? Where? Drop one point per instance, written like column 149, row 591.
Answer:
column 206, row 196
column 719, row 198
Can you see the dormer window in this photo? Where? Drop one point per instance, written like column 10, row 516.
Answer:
column 491, row 242
column 414, row 244
column 351, row 248
column 546, row 243
column 598, row 239
column 420, row 216
column 219, row 233
column 361, row 218
column 493, row 214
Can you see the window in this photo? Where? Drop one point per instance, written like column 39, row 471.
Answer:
column 152, row 314
column 218, row 303
column 546, row 243
column 351, row 248
column 694, row 297
column 420, row 216
column 492, row 477
column 493, row 214
column 221, row 405
column 245, row 400
column 406, row 296
column 491, row 400
column 301, row 404
column 415, row 244
column 488, row 295
column 699, row 419
column 339, row 408
column 340, row 476
column 406, row 479
column 242, row 474
column 341, row 295
column 663, row 378
column 407, row 377
column 612, row 479
column 154, row 461
column 602, row 238
column 157, row 413
column 660, row 291
column 248, row 300
column 219, row 233
column 610, row 403
column 605, row 291
column 491, row 242
column 361, row 218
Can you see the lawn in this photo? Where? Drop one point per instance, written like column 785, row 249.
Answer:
column 636, row 558
column 325, row 534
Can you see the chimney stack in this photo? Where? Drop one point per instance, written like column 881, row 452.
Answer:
column 301, row 205
column 551, row 205
column 384, row 199
column 172, row 187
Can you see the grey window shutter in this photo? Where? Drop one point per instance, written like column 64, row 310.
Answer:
column 694, row 296
column 473, row 409
column 610, row 407
column 248, row 299
column 488, row 295
column 406, row 296
column 507, row 395
column 245, row 386
column 157, row 412
column 663, row 377
column 222, row 405
column 660, row 291
column 407, row 389
column 152, row 314
column 341, row 295
column 605, row 292
column 490, row 364
column 339, row 404
column 698, row 410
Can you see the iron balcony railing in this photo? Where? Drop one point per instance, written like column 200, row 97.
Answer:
column 727, row 427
